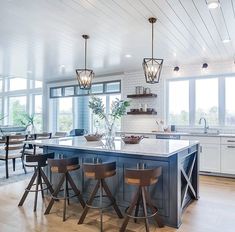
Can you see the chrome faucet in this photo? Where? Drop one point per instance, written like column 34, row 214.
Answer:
column 205, row 124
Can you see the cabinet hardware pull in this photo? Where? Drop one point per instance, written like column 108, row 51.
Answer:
column 231, row 141
column 230, row 146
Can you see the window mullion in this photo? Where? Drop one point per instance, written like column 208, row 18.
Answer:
column 221, row 100
column 192, row 102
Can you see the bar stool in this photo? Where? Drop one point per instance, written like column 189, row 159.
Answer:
column 142, row 178
column 100, row 171
column 37, row 162
column 64, row 167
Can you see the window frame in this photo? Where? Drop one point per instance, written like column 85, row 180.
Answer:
column 192, row 98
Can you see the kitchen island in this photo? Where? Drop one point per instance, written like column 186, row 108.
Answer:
column 177, row 186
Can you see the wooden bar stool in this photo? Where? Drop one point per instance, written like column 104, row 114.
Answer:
column 100, row 171
column 37, row 162
column 142, row 178
column 64, row 166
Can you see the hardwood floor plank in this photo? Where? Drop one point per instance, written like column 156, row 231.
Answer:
column 213, row 212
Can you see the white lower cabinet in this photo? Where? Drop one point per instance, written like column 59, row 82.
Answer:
column 228, row 159
column 210, row 158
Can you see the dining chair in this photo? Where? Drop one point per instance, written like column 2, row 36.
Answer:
column 12, row 148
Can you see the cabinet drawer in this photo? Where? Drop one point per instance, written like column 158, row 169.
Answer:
column 228, row 140
column 228, row 159
column 203, row 139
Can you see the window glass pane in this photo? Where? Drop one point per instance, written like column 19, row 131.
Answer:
column 0, row 85
column 56, row 92
column 207, row 100
column 81, row 91
column 38, row 84
column 97, row 88
column 17, row 84
column 38, row 112
column 179, row 102
column 65, row 114
column 229, row 101
column 112, row 87
column 17, row 109
column 69, row 91
column 1, row 115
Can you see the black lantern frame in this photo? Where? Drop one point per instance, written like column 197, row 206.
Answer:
column 85, row 76
column 152, row 66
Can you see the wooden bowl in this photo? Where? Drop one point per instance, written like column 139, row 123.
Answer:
column 132, row 139
column 93, row 137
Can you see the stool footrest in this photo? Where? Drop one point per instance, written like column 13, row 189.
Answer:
column 98, row 207
column 63, row 198
column 141, row 217
column 34, row 190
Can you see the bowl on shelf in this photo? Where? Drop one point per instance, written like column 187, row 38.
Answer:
column 93, row 137
column 132, row 139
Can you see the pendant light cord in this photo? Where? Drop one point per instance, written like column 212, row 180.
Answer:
column 85, row 51
column 152, row 40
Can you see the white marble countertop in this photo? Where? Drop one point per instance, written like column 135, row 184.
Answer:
column 199, row 134
column 146, row 147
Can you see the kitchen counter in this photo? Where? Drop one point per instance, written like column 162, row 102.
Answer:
column 177, row 187
column 147, row 147
column 200, row 134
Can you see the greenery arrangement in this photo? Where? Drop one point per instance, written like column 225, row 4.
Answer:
column 28, row 120
column 118, row 109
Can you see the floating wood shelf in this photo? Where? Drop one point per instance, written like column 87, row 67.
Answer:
column 146, row 113
column 150, row 95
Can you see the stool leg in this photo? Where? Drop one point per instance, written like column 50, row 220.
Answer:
column 65, row 194
column 85, row 210
column 156, row 217
column 75, row 189
column 23, row 166
column 40, row 181
column 129, row 211
column 112, row 199
column 48, row 209
column 137, row 206
column 36, row 190
column 14, row 164
column 46, row 181
column 67, row 190
column 145, row 209
column 101, row 204
column 27, row 188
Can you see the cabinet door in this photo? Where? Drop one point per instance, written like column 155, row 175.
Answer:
column 228, row 159
column 210, row 158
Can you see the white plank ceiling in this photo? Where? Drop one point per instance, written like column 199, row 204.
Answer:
column 42, row 38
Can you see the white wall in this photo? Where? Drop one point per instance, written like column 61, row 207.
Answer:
column 141, row 123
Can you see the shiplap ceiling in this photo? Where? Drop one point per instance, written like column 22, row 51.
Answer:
column 42, row 38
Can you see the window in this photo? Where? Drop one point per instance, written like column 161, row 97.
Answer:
column 179, row 102
column 229, row 101
column 17, row 109
column 18, row 84
column 38, row 112
column 110, row 87
column 1, row 85
column 65, row 114
column 97, row 124
column 207, row 100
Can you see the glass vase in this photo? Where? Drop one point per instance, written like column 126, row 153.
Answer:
column 110, row 131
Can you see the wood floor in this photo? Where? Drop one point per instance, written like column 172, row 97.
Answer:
column 214, row 212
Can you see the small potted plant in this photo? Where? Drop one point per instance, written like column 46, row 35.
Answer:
column 118, row 109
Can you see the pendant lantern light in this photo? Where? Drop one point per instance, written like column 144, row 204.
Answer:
column 85, row 76
column 152, row 66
